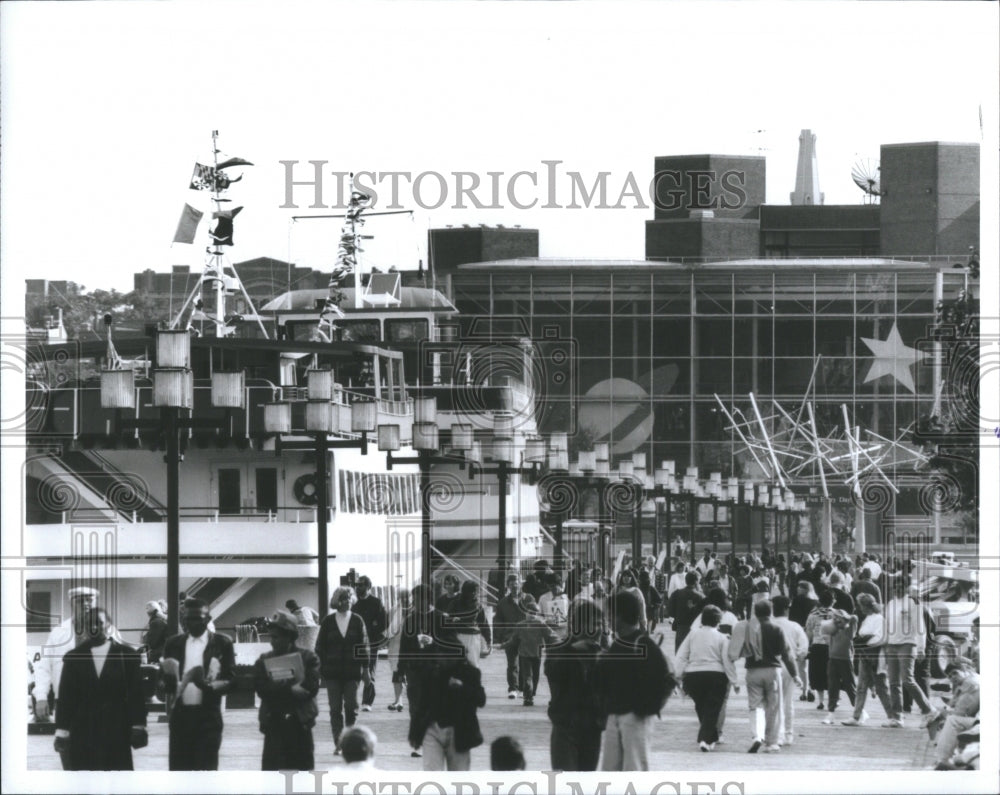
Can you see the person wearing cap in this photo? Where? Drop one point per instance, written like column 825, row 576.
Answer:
column 287, row 698
column 841, row 628
column 867, row 650
column 529, row 637
column 963, row 711
column 64, row 638
column 198, row 665
column 342, row 647
column 507, row 615
column 307, row 620
column 156, row 632
column 102, row 712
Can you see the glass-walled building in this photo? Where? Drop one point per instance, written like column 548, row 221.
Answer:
column 656, row 346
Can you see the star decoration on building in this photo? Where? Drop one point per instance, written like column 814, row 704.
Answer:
column 892, row 357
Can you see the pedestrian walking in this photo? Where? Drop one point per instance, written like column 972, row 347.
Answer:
column 102, row 713
column 467, row 622
column 554, row 606
column 287, row 680
column 803, row 603
column 530, row 636
column 841, row 628
column 704, row 666
column 395, row 633
column 684, row 606
column 764, row 647
column 798, row 645
column 819, row 646
column 575, row 708
column 451, row 724
column 507, row 615
column 342, row 647
column 199, row 669
column 868, row 645
column 906, row 633
column 156, row 632
column 373, row 613
column 634, row 679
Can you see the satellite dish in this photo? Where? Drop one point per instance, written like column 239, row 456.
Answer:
column 866, row 175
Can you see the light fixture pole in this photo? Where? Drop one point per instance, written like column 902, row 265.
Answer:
column 173, row 393
column 323, row 417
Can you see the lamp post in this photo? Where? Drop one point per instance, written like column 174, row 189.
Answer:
column 426, row 445
column 322, row 418
column 173, row 394
column 693, row 490
column 664, row 487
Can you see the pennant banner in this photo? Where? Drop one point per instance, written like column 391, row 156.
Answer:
column 188, row 225
column 222, row 233
column 208, row 178
column 234, row 161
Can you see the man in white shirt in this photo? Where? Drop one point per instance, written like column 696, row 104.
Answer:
column 705, row 564
column 64, row 638
column 205, row 663
column 798, row 645
column 871, row 565
column 676, row 581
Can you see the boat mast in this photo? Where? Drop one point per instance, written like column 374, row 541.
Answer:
column 347, row 263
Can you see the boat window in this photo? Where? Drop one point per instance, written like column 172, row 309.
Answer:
column 402, row 330
column 357, row 331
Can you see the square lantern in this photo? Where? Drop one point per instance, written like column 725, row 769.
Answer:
column 534, row 451
column 319, row 384
column 559, row 452
column 363, row 415
column 503, row 450
column 278, row 417
column 425, row 409
column 425, row 436
column 668, row 467
column 173, row 388
column 691, row 472
column 639, row 460
column 625, row 469
column 320, row 416
column 117, row 389
column 661, row 477
column 228, row 390
column 587, row 460
column 748, row 488
column 602, row 451
column 602, row 467
column 388, row 438
column 173, row 348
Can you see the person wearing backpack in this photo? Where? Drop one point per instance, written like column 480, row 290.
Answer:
column 634, row 680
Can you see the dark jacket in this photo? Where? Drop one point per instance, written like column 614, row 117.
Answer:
column 531, row 635
column 414, row 658
column 454, row 705
column 633, row 676
column 155, row 637
column 221, row 648
column 468, row 619
column 277, row 699
column 572, row 673
column 508, row 613
column 342, row 657
column 800, row 608
column 99, row 713
column 373, row 613
column 842, row 600
column 684, row 605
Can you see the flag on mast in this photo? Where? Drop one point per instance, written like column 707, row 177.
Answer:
column 187, row 227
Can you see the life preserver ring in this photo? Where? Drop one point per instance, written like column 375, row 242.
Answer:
column 305, row 489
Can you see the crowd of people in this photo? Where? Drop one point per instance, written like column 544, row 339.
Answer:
column 831, row 628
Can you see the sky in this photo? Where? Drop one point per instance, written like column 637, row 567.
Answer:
column 107, row 106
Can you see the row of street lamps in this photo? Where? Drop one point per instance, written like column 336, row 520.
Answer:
column 325, row 408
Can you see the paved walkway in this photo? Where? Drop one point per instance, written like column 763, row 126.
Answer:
column 816, row 747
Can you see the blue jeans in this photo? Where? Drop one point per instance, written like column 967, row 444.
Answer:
column 901, row 658
column 343, row 695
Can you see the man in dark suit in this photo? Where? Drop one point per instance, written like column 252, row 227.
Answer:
column 202, row 664
column 102, row 712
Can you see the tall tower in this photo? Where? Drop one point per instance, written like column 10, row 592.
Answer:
column 807, row 172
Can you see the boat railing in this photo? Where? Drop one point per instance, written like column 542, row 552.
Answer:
column 294, row 514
